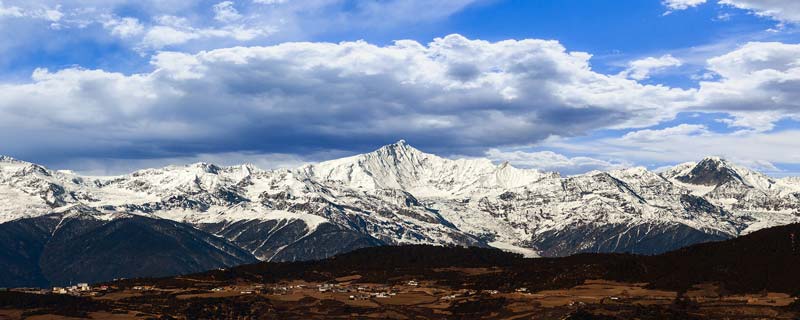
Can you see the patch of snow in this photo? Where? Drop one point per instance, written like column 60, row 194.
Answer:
column 525, row 252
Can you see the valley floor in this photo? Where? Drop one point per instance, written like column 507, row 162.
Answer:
column 348, row 297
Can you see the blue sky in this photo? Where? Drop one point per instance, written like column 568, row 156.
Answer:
column 105, row 87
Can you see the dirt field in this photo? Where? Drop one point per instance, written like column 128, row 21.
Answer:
column 346, row 298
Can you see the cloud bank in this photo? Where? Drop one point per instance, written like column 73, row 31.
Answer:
column 453, row 95
column 553, row 162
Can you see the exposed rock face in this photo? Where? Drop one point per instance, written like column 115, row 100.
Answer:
column 288, row 240
column 394, row 195
column 710, row 172
column 639, row 239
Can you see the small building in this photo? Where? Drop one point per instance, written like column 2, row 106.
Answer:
column 59, row 290
column 413, row 283
column 326, row 287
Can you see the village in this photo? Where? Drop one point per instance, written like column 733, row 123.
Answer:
column 80, row 289
column 348, row 290
column 425, row 296
column 356, row 291
column 410, row 292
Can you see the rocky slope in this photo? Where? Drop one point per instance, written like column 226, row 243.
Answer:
column 75, row 246
column 400, row 195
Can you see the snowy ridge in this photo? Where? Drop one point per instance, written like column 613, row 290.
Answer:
column 398, row 194
column 400, row 166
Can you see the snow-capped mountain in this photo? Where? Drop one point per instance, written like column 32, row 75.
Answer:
column 400, row 195
column 400, row 166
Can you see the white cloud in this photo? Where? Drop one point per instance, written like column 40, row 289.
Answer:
column 173, row 30
column 781, row 10
column 724, row 16
column 270, row 1
column 682, row 4
column 642, row 69
column 161, row 36
column 112, row 166
column 179, row 66
column 226, row 12
column 409, row 10
column 52, row 14
column 759, row 150
column 761, row 165
column 758, row 121
column 41, row 12
column 759, row 84
column 551, row 161
column 10, row 11
column 666, row 133
column 123, row 27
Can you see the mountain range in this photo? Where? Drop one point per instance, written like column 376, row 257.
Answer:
column 59, row 227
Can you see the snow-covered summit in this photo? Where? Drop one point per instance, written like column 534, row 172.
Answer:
column 401, row 166
column 7, row 159
column 715, row 172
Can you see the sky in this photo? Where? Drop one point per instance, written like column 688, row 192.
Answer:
column 107, row 87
